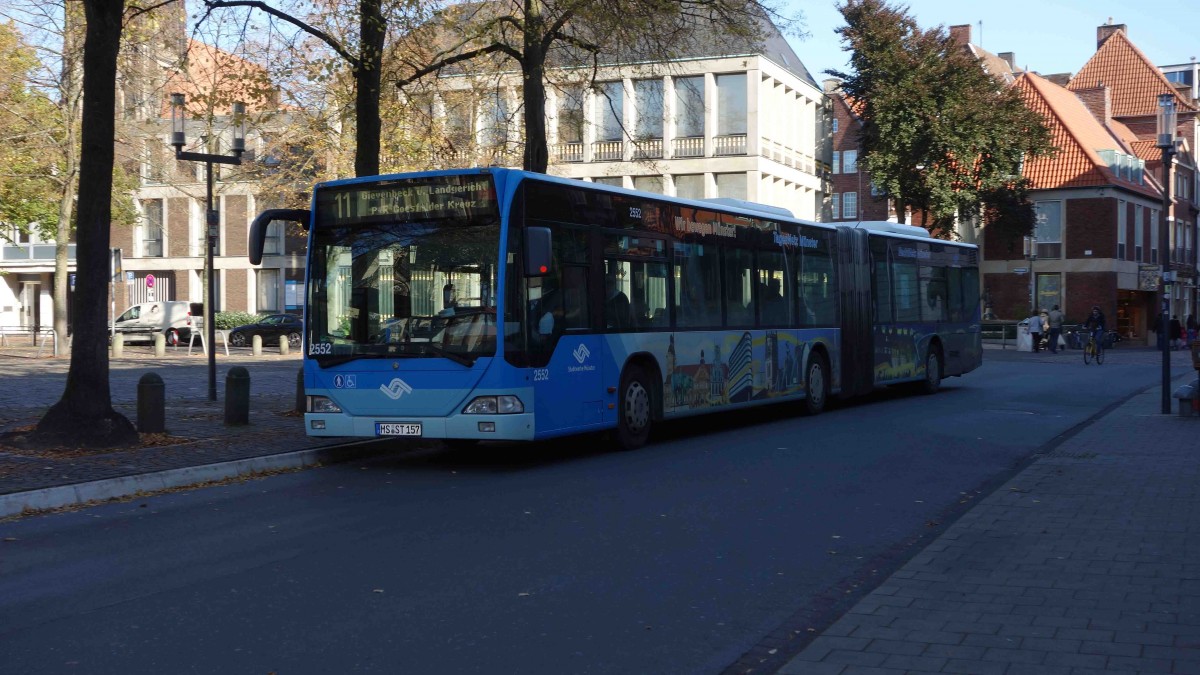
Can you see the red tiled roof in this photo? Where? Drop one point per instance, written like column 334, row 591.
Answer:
column 1132, row 78
column 1077, row 135
column 1147, row 150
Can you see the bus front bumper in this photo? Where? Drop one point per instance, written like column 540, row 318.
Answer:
column 517, row 427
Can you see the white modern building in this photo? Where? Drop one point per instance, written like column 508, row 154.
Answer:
column 746, row 126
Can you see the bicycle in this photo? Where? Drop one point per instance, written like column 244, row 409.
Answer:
column 1093, row 348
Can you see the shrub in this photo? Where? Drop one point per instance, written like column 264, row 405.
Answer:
column 227, row 320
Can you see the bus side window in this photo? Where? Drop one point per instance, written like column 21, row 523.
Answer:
column 818, row 284
column 775, row 297
column 739, row 291
column 933, row 293
column 697, row 285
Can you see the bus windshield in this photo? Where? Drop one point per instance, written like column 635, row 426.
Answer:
column 405, row 268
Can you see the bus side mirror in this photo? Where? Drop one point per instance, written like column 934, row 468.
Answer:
column 258, row 228
column 538, row 256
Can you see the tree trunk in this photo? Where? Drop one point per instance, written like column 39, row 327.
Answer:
column 366, row 79
column 66, row 206
column 84, row 415
column 533, row 68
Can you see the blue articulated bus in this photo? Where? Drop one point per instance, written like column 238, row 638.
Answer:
column 495, row 304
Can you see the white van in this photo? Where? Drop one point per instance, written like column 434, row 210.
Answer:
column 172, row 318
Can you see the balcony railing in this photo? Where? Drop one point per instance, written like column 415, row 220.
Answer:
column 777, row 152
column 568, row 152
column 648, row 148
column 724, row 146
column 690, row 146
column 33, row 252
column 608, row 151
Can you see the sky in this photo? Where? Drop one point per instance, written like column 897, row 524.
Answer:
column 1047, row 36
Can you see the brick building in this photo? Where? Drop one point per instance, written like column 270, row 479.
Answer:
column 1098, row 201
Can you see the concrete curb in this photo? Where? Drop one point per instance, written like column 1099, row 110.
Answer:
column 32, row 501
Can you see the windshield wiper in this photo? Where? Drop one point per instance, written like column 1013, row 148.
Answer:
column 461, row 359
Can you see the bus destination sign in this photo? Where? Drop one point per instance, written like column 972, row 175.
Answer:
column 414, row 199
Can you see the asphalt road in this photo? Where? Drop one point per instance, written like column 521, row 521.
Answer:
column 714, row 541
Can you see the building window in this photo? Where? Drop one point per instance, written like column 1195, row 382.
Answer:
column 1154, row 236
column 610, row 101
column 1120, row 238
column 648, row 184
column 648, row 105
column 1048, row 229
column 459, row 127
column 1121, row 226
column 836, row 204
column 570, row 115
column 850, row 161
column 732, row 185
column 152, row 231
column 835, row 125
column 495, row 119
column 690, row 186
column 689, row 106
column 731, row 105
column 1139, row 231
column 849, row 205
column 268, row 290
column 273, row 242
column 837, row 162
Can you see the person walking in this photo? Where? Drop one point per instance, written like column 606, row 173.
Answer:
column 1035, row 329
column 1175, row 332
column 1055, row 321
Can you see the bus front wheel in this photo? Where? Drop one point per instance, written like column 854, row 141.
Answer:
column 815, row 386
column 633, row 416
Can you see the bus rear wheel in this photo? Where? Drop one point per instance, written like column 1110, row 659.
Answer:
column 933, row 371
column 634, row 405
column 816, row 388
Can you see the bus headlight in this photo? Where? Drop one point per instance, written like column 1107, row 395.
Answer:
column 322, row 404
column 494, row 405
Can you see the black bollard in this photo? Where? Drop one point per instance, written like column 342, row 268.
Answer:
column 301, row 399
column 151, row 404
column 237, row 396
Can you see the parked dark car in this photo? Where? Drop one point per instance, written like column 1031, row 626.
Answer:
column 270, row 328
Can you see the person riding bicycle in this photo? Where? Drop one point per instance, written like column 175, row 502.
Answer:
column 1095, row 324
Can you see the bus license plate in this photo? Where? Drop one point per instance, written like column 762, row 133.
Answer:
column 397, row 429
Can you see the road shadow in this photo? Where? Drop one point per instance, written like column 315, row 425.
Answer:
column 669, row 436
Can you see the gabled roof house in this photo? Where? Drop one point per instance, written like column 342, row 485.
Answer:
column 1098, row 199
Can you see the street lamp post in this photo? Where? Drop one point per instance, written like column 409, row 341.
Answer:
column 1166, row 143
column 212, row 218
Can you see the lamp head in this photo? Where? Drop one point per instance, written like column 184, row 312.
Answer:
column 1166, row 122
column 177, row 111
column 239, row 128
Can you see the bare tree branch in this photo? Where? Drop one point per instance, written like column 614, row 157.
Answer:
column 465, row 56
column 307, row 28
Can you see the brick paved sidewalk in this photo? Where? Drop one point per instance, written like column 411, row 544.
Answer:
column 1088, row 561
column 196, row 431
